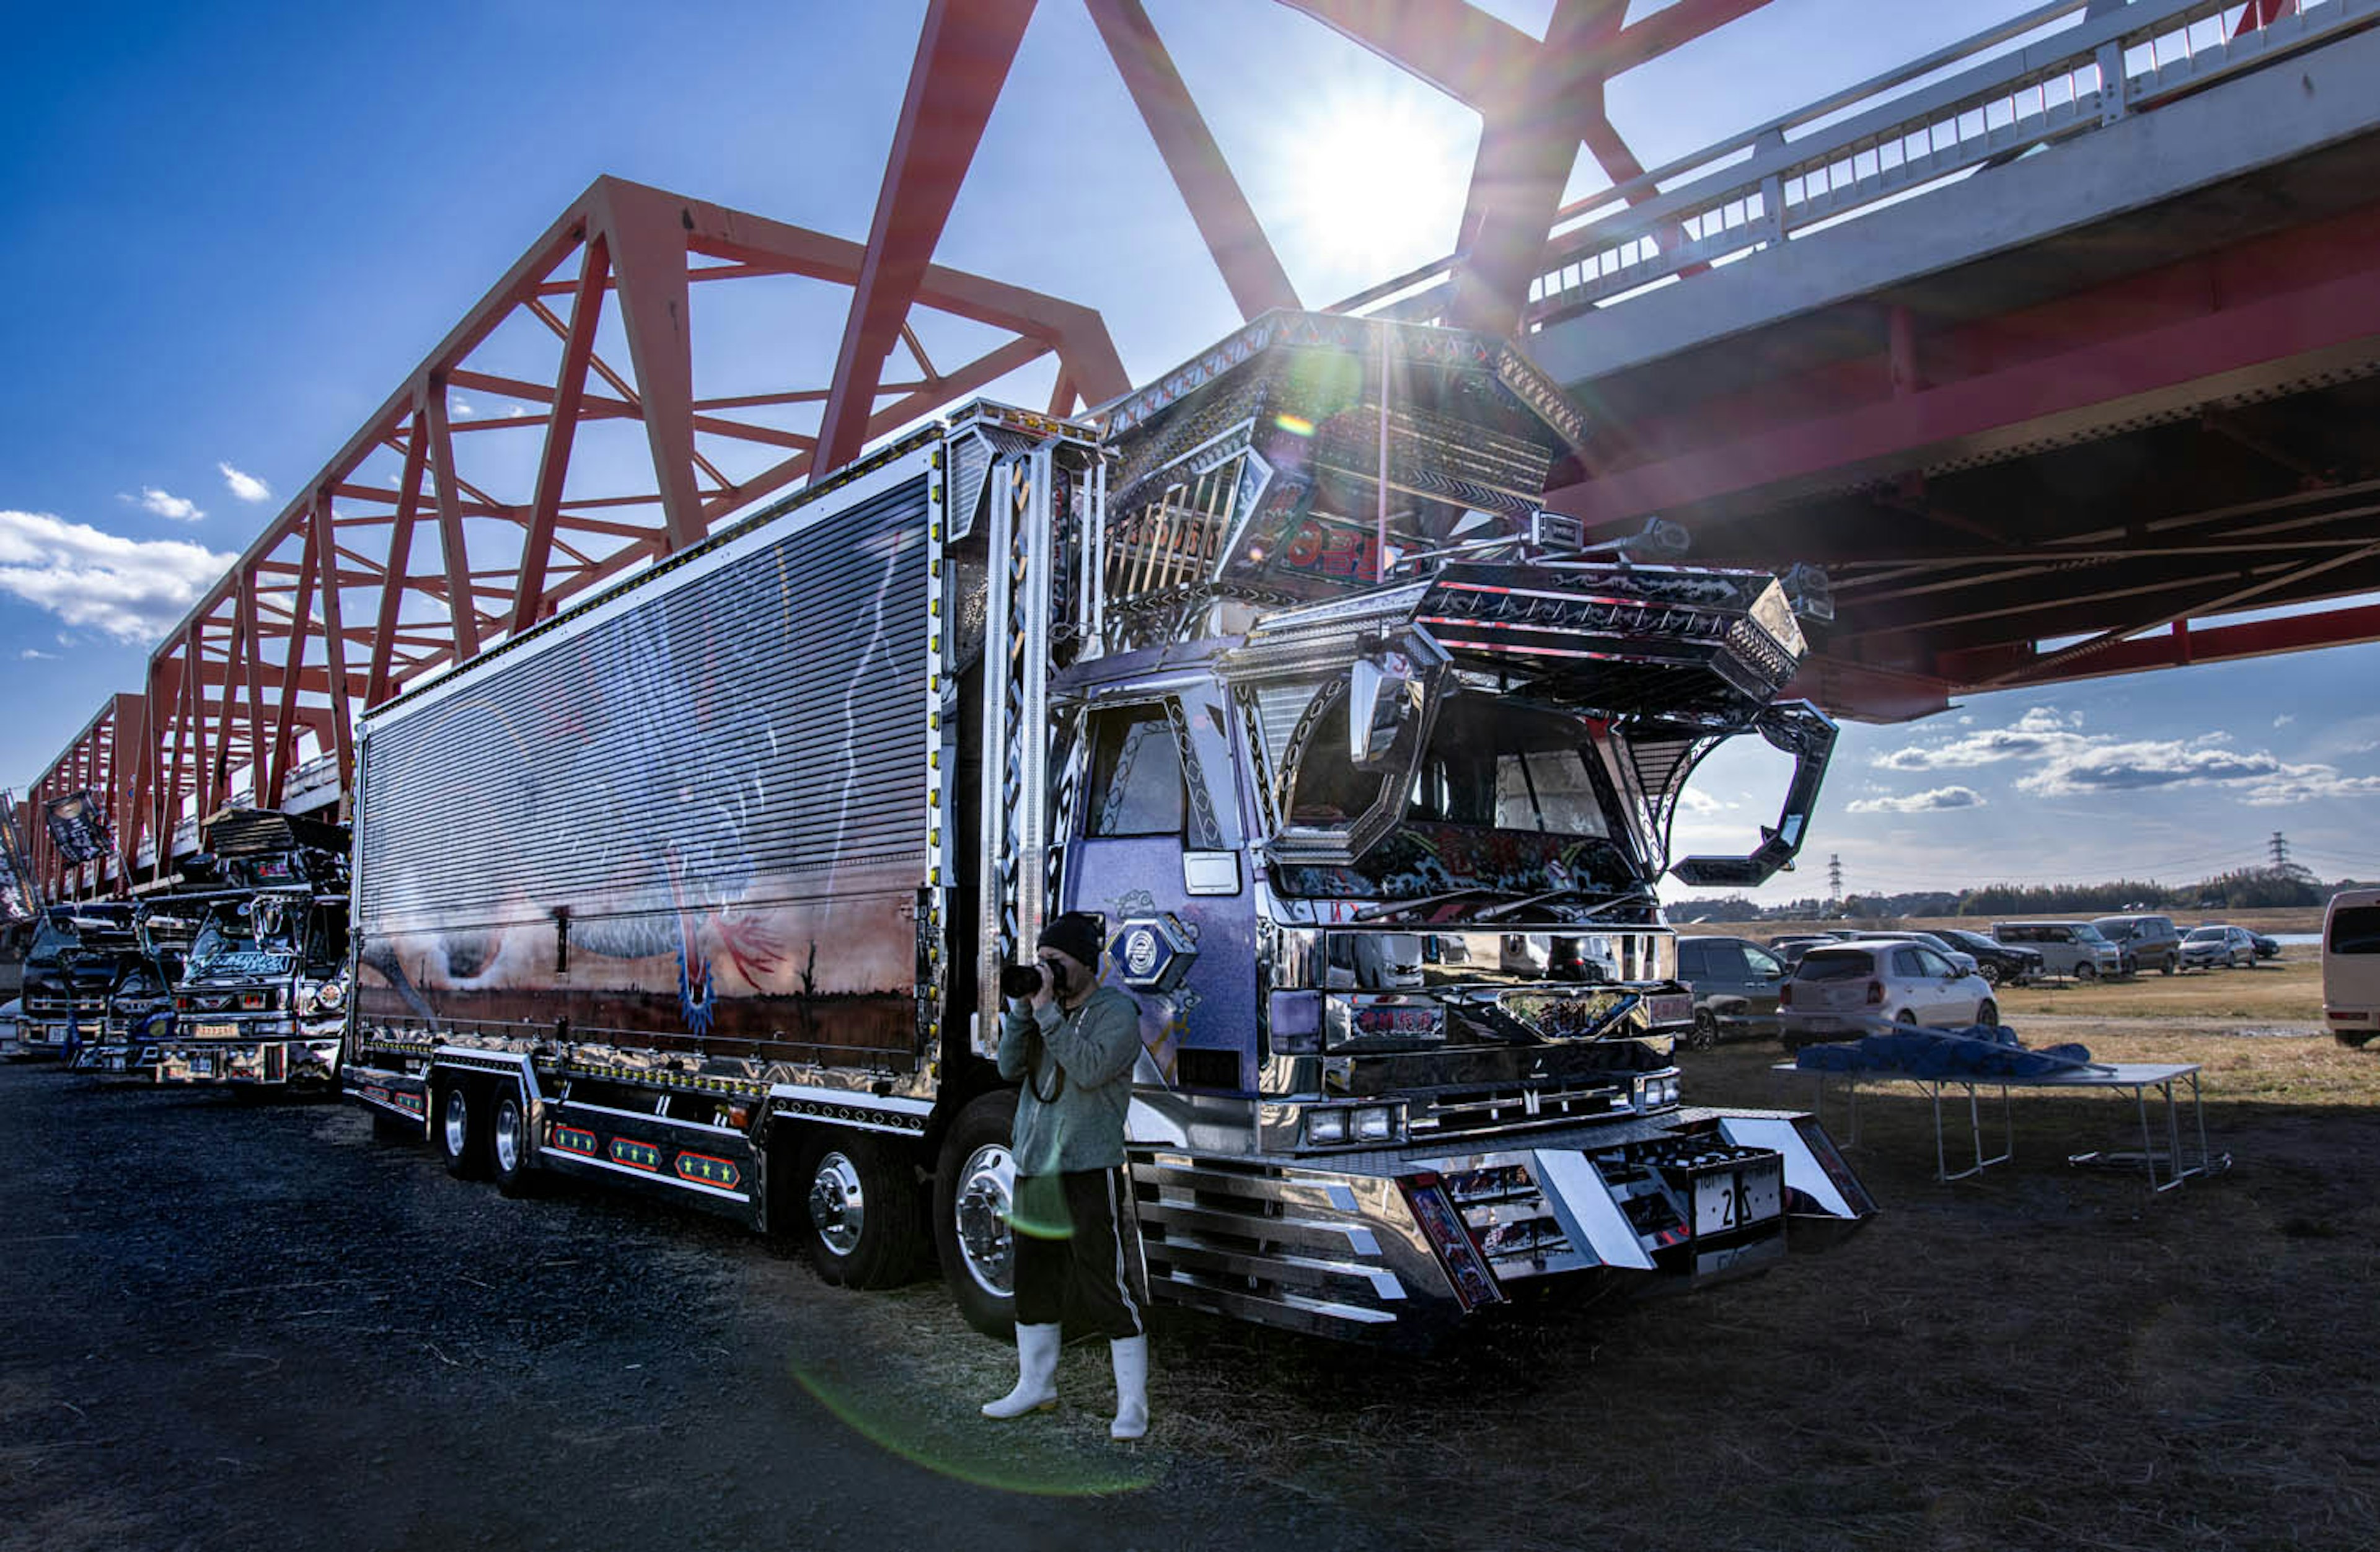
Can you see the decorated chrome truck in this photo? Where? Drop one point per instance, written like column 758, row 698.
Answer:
column 1366, row 764
column 262, row 995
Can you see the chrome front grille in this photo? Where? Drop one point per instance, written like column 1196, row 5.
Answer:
column 1511, row 1222
column 1459, row 1112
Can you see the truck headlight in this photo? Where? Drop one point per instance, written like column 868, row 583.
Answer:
column 329, row 994
column 1326, row 1128
column 1376, row 1123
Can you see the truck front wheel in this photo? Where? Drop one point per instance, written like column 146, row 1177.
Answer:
column 974, row 1182
column 462, row 1132
column 857, row 1213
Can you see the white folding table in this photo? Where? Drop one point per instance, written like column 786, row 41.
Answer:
column 2166, row 1168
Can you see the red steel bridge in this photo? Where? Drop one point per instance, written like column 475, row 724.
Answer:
column 2053, row 348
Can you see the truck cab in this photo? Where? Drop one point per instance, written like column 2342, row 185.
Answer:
column 69, row 970
column 260, row 997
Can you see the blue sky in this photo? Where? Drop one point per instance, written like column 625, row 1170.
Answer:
column 231, row 231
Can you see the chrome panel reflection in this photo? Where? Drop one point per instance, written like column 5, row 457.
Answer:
column 1373, row 959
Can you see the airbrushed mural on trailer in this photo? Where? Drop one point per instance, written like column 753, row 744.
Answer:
column 761, row 901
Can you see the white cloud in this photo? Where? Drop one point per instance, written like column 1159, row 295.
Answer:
column 164, row 503
column 1694, row 802
column 2096, row 765
column 246, row 487
column 2285, row 719
column 2304, row 784
column 1932, row 801
column 131, row 590
column 31, row 654
column 460, row 408
column 2066, row 762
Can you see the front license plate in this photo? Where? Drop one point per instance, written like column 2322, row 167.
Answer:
column 213, row 1031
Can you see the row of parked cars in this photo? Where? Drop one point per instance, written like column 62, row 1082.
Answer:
column 1806, row 986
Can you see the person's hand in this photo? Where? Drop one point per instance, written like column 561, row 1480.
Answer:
column 1047, row 992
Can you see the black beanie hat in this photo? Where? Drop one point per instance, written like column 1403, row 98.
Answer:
column 1078, row 934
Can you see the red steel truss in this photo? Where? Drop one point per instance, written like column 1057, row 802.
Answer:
column 441, row 528
column 402, row 556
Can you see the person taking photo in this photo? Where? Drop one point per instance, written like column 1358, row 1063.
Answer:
column 1070, row 1045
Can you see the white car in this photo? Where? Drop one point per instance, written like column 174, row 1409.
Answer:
column 1838, row 990
column 2230, row 946
column 1951, row 952
column 10, row 1011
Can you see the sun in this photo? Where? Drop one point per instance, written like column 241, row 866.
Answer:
column 1375, row 180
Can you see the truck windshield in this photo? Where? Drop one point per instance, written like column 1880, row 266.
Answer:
column 1507, row 799
column 251, row 937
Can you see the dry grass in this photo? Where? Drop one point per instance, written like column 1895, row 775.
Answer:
column 2287, row 990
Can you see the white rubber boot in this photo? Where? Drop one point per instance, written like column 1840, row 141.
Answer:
column 1131, row 1358
column 1037, row 1374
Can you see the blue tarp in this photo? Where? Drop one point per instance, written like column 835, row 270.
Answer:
column 1981, row 1050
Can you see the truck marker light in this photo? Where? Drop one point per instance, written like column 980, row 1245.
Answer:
column 636, row 1155
column 570, row 1139
column 708, row 1169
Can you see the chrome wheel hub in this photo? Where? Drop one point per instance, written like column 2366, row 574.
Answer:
column 456, row 1117
column 508, row 1138
column 838, row 1207
column 987, row 1243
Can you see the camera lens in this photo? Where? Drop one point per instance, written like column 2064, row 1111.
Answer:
column 1020, row 980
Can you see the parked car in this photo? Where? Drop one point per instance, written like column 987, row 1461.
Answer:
column 2267, row 948
column 2066, row 948
column 1736, row 983
column 1837, row 990
column 10, row 1011
column 1789, row 947
column 2000, row 963
column 2217, row 944
column 1956, row 956
column 2146, row 942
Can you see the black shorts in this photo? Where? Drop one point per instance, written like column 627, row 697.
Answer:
column 1069, row 1263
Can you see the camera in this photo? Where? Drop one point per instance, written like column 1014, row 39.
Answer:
column 1022, row 981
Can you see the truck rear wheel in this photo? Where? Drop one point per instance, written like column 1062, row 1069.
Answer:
column 974, row 1182
column 510, row 1147
column 857, row 1212
column 461, row 1129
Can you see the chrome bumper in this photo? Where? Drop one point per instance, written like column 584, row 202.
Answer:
column 1399, row 1247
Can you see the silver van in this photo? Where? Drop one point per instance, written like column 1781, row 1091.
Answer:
column 2066, row 948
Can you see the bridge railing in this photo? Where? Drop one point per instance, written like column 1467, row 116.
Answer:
column 1833, row 159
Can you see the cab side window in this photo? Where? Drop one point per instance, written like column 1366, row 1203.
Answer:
column 1136, row 787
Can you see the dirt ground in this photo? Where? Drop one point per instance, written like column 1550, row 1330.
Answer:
column 232, row 1325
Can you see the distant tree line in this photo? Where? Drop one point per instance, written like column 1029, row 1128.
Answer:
column 2245, row 889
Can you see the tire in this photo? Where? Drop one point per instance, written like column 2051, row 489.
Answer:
column 1905, row 1016
column 460, row 1127
column 2165, row 966
column 2127, row 965
column 2086, row 971
column 511, row 1151
column 973, row 1180
column 855, row 1207
column 1987, row 1011
column 1992, row 974
column 1705, row 1032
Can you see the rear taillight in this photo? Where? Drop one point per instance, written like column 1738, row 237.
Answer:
column 1876, row 994
column 251, row 1000
column 1785, row 995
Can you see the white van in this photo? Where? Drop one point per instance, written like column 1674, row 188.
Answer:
column 2351, row 965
